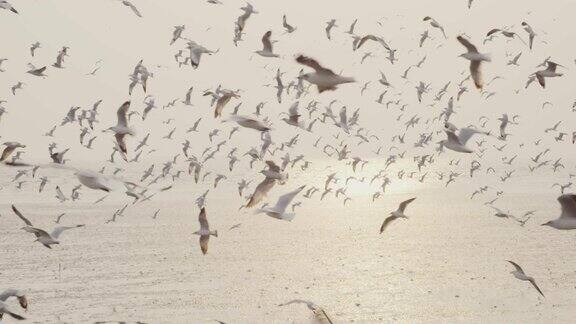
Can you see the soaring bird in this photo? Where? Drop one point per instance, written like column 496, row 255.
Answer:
column 47, row 239
column 204, row 231
column 323, row 78
column 398, row 213
column 475, row 59
column 279, row 210
column 519, row 273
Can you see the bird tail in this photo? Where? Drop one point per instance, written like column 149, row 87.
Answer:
column 288, row 217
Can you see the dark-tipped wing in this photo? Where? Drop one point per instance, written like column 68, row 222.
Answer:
column 19, row 214
column 568, row 203
column 405, row 203
column 492, row 31
column 518, row 268
column 387, row 221
column 312, row 63
column 204, row 243
column 272, row 166
column 471, row 48
column 266, row 41
column 122, row 112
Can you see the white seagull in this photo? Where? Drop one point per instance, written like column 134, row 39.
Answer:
column 279, row 210
column 399, row 213
column 475, row 59
column 204, row 231
column 519, row 273
column 323, row 78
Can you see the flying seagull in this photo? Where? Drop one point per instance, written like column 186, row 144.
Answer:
column 204, row 231
column 475, row 59
column 519, row 273
column 548, row 73
column 399, row 213
column 279, row 210
column 267, row 50
column 323, row 78
column 41, row 235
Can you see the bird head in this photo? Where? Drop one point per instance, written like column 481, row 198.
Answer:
column 547, row 224
column 23, row 302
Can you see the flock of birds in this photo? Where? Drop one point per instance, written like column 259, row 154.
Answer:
column 307, row 84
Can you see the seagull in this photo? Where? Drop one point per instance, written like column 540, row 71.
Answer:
column 323, row 78
column 267, row 50
column 37, row 71
column 266, row 185
column 531, row 33
column 204, row 231
column 435, row 24
column 548, row 73
column 567, row 220
column 222, row 101
column 6, row 5
column 250, row 123
column 475, row 58
column 177, row 33
column 458, row 142
column 289, row 28
column 519, row 273
column 317, row 310
column 399, row 213
column 9, row 149
column 41, row 235
column 329, row 25
column 279, row 210
column 121, row 129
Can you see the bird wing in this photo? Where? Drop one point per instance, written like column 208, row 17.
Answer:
column 466, row 43
column 121, row 142
column 121, row 113
column 204, row 243
column 203, row 220
column 476, row 73
column 405, row 203
column 533, row 282
column 466, row 133
column 293, row 109
column 312, row 63
column 493, row 31
column 38, row 232
column 58, row 230
column 365, row 39
column 518, row 268
column 387, row 221
column 19, row 214
column 266, row 41
column 7, row 151
column 552, row 66
column 541, row 80
column 568, row 203
column 134, row 9
column 286, row 199
column 343, row 117
column 272, row 166
column 261, row 191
